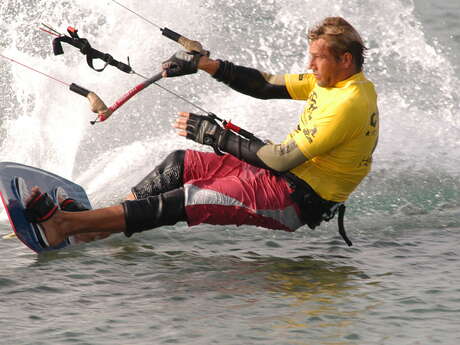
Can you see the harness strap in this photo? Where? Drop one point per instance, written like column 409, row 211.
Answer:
column 342, row 232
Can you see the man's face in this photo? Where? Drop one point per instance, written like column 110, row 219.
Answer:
column 326, row 69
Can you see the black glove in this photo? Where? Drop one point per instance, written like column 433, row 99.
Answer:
column 181, row 63
column 204, row 130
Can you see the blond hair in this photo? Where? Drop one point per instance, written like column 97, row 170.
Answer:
column 341, row 37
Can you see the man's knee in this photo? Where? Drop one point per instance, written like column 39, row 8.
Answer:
column 166, row 176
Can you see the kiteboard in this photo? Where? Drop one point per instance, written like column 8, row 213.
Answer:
column 12, row 175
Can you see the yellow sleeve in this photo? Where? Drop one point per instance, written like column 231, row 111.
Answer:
column 320, row 137
column 299, row 86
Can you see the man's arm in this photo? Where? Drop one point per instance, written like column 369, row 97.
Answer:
column 248, row 81
column 280, row 157
column 276, row 157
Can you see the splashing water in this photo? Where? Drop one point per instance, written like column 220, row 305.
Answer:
column 45, row 125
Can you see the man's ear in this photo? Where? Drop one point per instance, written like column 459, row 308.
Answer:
column 347, row 59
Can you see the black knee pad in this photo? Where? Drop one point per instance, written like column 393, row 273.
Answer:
column 163, row 209
column 168, row 175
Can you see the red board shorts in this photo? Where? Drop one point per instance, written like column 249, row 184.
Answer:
column 224, row 190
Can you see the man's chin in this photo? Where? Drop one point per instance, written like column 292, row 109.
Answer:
column 323, row 83
column 320, row 83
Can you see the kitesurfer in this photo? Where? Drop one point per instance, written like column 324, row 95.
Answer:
column 303, row 180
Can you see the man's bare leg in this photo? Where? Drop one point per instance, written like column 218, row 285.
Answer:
column 94, row 236
column 64, row 224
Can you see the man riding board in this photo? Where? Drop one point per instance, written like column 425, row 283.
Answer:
column 303, row 180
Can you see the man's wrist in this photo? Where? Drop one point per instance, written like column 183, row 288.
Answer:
column 208, row 65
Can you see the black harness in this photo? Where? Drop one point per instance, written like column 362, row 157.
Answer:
column 315, row 209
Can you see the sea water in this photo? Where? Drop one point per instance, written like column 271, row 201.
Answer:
column 398, row 284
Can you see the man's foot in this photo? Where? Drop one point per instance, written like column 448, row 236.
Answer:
column 51, row 226
column 69, row 205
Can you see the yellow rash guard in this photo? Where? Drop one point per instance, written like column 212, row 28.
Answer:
column 337, row 132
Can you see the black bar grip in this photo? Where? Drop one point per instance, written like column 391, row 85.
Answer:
column 171, row 34
column 78, row 89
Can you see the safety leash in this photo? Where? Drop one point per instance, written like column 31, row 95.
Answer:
column 234, row 128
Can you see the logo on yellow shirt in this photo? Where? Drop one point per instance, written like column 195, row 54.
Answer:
column 309, row 134
column 311, row 106
column 374, row 121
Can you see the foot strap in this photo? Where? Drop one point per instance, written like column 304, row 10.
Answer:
column 40, row 209
column 70, row 205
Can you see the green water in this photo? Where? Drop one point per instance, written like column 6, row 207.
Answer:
column 239, row 286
